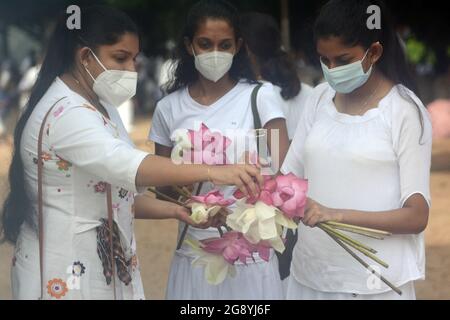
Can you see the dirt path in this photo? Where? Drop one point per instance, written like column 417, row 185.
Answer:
column 156, row 239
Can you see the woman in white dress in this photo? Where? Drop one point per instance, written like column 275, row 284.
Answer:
column 213, row 85
column 87, row 159
column 364, row 143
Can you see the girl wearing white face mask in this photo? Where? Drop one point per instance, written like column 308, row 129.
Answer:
column 75, row 174
column 364, row 143
column 213, row 85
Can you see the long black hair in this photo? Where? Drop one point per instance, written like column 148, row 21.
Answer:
column 185, row 73
column 100, row 25
column 347, row 19
column 263, row 37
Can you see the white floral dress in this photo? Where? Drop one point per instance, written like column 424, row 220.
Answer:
column 82, row 151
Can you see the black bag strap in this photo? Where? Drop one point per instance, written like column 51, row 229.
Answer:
column 256, row 118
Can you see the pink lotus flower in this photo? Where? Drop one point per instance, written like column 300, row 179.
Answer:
column 265, row 194
column 233, row 246
column 213, row 198
column 263, row 249
column 208, row 147
column 288, row 193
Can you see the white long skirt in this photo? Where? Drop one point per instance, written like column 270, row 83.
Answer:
column 256, row 281
column 297, row 291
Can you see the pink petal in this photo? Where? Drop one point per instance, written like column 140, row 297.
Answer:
column 277, row 200
column 287, row 191
column 264, row 253
column 300, row 212
column 230, row 254
column 286, row 180
column 300, row 185
column 289, row 208
column 263, row 250
column 204, row 129
column 199, row 199
column 215, row 246
column 270, row 185
column 266, row 197
column 238, row 194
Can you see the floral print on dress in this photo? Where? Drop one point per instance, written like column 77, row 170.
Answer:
column 100, row 187
column 58, row 111
column 134, row 263
column 75, row 271
column 57, row 288
column 78, row 269
column 123, row 193
column 64, row 166
column 116, row 206
column 46, row 156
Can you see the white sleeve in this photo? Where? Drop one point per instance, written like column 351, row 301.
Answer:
column 160, row 130
column 80, row 137
column 296, row 108
column 293, row 163
column 270, row 104
column 413, row 149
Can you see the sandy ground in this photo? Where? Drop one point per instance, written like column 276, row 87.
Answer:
column 156, row 239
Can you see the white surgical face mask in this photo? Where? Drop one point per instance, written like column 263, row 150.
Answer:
column 348, row 78
column 114, row 87
column 213, row 65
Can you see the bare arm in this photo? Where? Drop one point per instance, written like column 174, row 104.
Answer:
column 160, row 171
column 146, row 207
column 411, row 219
column 165, row 152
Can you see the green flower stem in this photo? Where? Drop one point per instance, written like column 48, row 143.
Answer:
column 220, row 231
column 344, row 236
column 363, row 233
column 182, row 192
column 352, row 227
column 186, row 190
column 362, row 250
column 339, row 242
column 166, row 197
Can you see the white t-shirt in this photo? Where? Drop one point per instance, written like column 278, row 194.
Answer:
column 231, row 115
column 294, row 107
column 370, row 163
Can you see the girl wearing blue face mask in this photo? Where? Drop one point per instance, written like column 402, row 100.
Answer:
column 75, row 174
column 213, row 84
column 364, row 143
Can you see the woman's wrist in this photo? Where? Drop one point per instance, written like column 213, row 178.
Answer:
column 174, row 212
column 338, row 215
column 202, row 173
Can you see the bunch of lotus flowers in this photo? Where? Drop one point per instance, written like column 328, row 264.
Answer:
column 257, row 223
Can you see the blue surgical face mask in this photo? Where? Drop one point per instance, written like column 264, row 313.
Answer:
column 348, row 78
